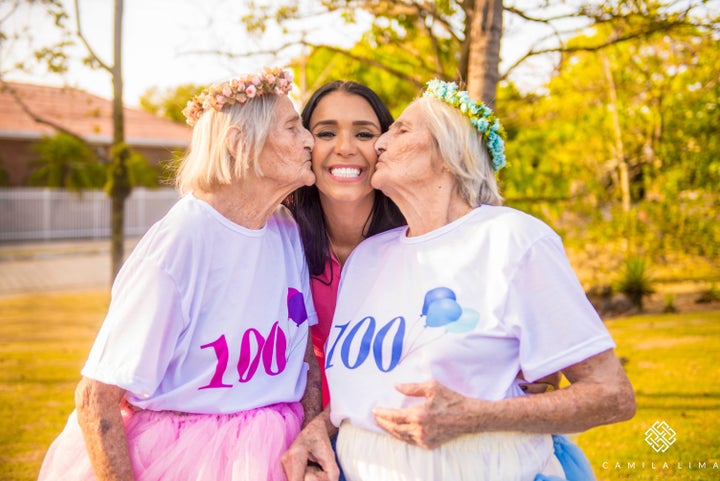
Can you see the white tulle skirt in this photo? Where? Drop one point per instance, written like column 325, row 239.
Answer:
column 166, row 446
column 369, row 456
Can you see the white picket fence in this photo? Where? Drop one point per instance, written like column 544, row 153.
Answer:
column 47, row 214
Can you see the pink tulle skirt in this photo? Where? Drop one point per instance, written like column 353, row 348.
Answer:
column 168, row 446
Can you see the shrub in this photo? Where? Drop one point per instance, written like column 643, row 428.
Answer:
column 635, row 281
column 669, row 304
column 712, row 294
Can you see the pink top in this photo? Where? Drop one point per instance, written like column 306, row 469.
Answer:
column 324, row 291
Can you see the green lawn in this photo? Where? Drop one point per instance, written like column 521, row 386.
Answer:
column 671, row 360
column 44, row 341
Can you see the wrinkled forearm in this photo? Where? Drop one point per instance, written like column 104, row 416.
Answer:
column 98, row 412
column 600, row 393
column 312, row 398
column 324, row 419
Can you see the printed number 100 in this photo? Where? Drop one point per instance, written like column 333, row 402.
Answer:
column 370, row 340
column 271, row 351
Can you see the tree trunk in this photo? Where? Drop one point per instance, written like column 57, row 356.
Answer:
column 483, row 49
column 618, row 148
column 119, row 183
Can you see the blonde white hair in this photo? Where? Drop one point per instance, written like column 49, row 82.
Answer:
column 463, row 150
column 208, row 162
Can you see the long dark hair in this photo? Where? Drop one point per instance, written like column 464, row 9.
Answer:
column 305, row 201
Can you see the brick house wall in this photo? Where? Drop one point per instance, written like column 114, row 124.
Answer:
column 82, row 113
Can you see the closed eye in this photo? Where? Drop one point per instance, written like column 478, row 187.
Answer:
column 399, row 127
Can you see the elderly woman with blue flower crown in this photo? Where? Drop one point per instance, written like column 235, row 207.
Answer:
column 200, row 369
column 435, row 320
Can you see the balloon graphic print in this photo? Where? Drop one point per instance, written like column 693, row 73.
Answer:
column 296, row 306
column 466, row 322
column 441, row 312
column 435, row 295
column 442, row 309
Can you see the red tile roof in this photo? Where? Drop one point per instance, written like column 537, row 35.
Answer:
column 82, row 113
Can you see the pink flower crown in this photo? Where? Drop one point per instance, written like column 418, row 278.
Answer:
column 238, row 91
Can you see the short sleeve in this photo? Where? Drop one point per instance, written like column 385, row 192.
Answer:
column 548, row 309
column 137, row 340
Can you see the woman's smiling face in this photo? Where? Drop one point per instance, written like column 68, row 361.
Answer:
column 345, row 128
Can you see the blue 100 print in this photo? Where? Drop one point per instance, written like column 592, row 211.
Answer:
column 353, row 346
column 441, row 311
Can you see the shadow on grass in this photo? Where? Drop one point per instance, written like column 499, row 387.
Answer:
column 681, row 395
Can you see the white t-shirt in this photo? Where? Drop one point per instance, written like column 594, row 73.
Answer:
column 469, row 305
column 208, row 316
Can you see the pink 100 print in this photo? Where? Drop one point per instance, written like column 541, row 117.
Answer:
column 256, row 348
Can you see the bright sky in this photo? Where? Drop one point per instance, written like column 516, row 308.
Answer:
column 159, row 36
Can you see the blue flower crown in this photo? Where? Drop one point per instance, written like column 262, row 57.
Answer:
column 481, row 117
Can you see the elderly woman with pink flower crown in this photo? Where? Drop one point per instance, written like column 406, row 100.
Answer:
column 202, row 369
column 434, row 321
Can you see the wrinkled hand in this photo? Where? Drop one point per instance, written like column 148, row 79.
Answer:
column 311, row 457
column 441, row 418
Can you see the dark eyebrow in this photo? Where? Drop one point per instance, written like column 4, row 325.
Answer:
column 367, row 122
column 323, row 122
column 361, row 123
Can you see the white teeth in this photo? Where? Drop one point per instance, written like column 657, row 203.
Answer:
column 345, row 172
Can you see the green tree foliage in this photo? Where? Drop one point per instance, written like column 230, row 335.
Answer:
column 423, row 30
column 561, row 146
column 66, row 162
column 141, row 173
column 324, row 65
column 169, row 102
column 446, row 31
column 688, row 141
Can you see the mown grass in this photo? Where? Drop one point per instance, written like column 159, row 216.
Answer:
column 671, row 360
column 44, row 340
